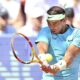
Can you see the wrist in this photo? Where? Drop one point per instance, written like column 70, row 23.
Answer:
column 61, row 64
column 54, row 68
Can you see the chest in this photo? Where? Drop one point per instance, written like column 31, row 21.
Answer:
column 58, row 44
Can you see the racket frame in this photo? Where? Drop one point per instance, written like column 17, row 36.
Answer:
column 34, row 55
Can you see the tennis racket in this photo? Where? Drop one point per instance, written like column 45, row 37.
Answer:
column 23, row 49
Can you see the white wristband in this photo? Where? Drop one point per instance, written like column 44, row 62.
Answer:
column 61, row 64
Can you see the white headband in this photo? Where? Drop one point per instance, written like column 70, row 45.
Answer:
column 56, row 17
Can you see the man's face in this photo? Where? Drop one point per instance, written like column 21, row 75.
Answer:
column 3, row 22
column 56, row 26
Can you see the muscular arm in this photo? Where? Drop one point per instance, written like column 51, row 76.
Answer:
column 74, row 47
column 71, row 53
column 42, row 47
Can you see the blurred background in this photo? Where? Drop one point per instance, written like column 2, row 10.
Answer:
column 27, row 17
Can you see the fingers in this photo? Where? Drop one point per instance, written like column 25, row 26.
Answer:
column 48, row 69
column 45, row 68
column 45, row 63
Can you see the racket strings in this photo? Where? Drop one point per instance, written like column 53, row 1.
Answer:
column 26, row 53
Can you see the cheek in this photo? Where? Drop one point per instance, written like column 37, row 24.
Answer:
column 59, row 28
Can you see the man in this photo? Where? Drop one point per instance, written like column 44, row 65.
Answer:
column 4, row 27
column 69, row 16
column 54, row 40
column 14, row 8
column 34, row 22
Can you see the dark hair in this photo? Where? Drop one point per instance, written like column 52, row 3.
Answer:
column 3, row 13
column 69, row 12
column 55, row 10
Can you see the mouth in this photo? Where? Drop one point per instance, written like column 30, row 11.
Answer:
column 53, row 31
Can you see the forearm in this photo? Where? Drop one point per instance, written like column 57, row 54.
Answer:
column 70, row 54
column 42, row 47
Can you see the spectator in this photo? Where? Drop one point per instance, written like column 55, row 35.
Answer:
column 4, row 27
column 43, row 4
column 14, row 9
column 76, row 21
column 69, row 16
column 34, row 22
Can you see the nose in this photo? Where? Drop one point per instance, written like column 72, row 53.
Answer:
column 53, row 27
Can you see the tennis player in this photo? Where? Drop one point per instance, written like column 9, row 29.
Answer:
column 62, row 41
